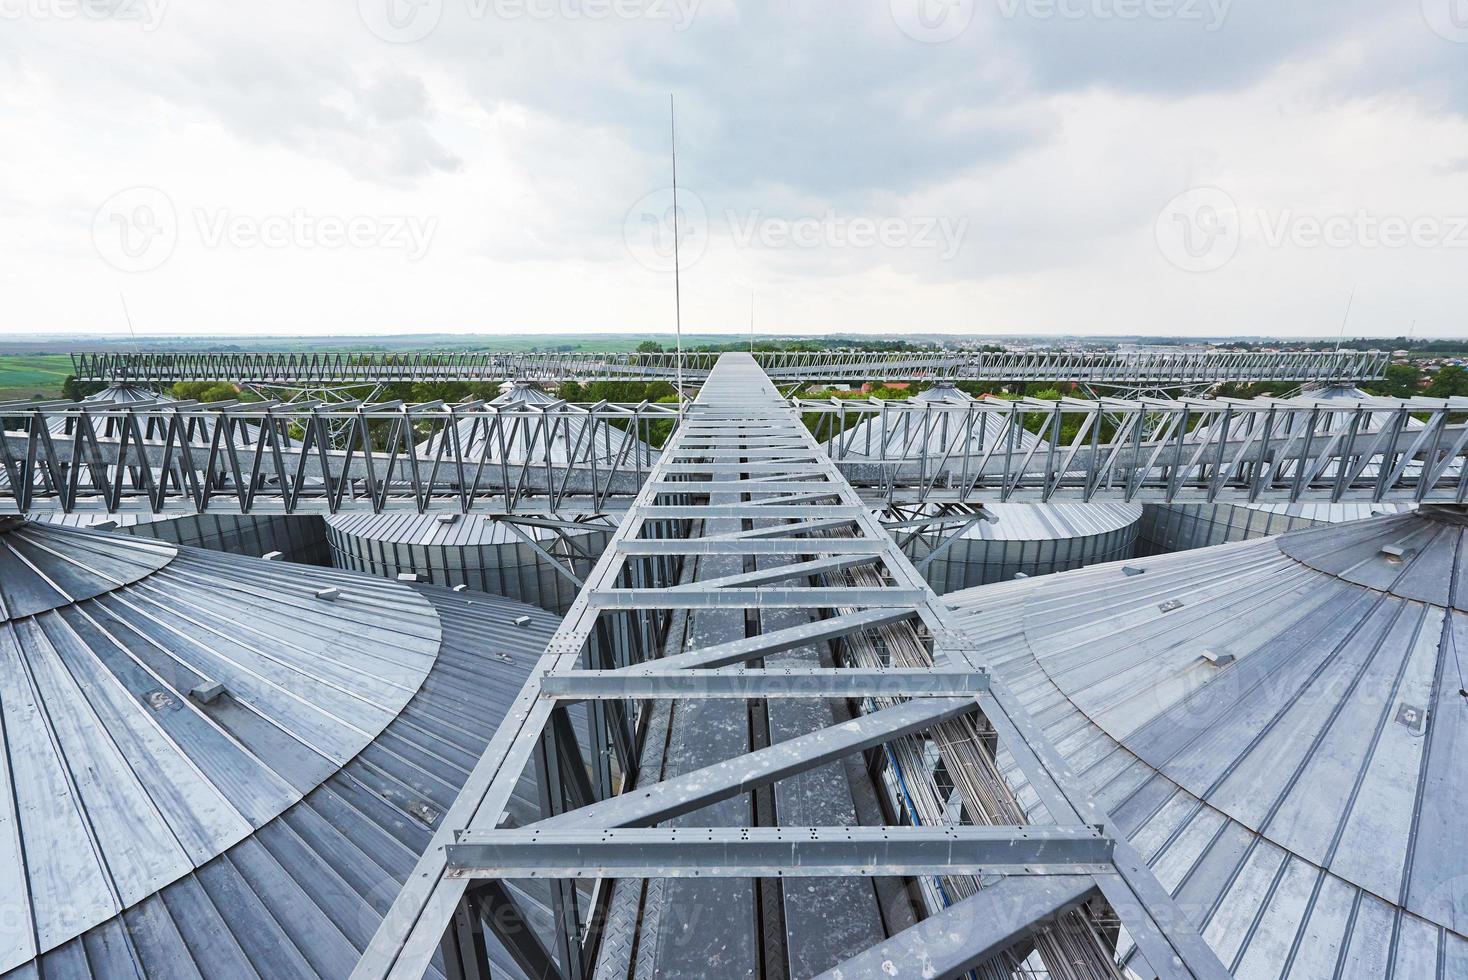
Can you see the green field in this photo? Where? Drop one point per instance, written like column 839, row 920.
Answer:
column 25, row 375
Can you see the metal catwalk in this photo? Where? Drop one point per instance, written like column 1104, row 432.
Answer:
column 271, row 457
column 745, row 514
column 1126, row 369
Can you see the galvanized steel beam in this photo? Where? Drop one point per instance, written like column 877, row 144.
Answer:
column 778, row 852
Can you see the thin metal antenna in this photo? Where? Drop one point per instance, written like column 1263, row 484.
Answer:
column 677, row 279
column 1346, row 319
column 129, row 318
column 751, row 321
column 137, row 348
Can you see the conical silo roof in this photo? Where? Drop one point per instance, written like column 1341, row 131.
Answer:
column 1278, row 725
column 1011, row 537
column 522, row 442
column 911, row 436
column 519, row 444
column 212, row 766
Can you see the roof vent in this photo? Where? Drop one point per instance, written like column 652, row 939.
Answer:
column 1170, row 605
column 1218, row 658
column 330, row 593
column 447, row 518
column 409, row 577
column 522, row 620
column 1395, row 553
column 1130, row 570
column 1412, row 717
column 461, row 588
column 105, row 526
column 272, row 556
column 1020, row 575
column 207, row 693
column 506, row 657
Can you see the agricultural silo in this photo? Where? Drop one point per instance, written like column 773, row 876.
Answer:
column 999, row 540
column 1182, row 527
column 298, row 538
column 483, row 553
column 1278, row 726
column 220, row 766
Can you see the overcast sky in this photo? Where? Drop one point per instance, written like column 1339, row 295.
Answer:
column 957, row 166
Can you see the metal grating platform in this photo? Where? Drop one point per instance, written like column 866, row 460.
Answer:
column 738, row 441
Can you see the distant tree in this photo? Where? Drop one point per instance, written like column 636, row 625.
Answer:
column 205, row 391
column 1400, row 381
column 1450, row 380
column 77, row 390
column 649, row 347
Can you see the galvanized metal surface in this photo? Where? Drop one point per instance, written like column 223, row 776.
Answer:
column 303, row 893
column 738, row 396
column 1283, row 744
column 1290, row 451
column 1095, row 367
column 165, row 712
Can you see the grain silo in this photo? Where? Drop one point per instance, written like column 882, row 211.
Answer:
column 220, row 766
column 999, row 540
column 298, row 538
column 483, row 553
column 1277, row 725
column 1182, row 527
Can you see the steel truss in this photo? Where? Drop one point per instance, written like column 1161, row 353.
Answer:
column 1132, row 369
column 738, row 439
column 270, row 457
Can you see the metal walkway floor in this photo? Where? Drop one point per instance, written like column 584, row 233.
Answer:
column 740, row 441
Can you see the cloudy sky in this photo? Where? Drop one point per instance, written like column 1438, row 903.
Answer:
column 876, row 166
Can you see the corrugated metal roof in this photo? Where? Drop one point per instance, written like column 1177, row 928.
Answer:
column 426, row 529
column 1045, row 522
column 125, row 770
column 1278, row 727
column 303, row 895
